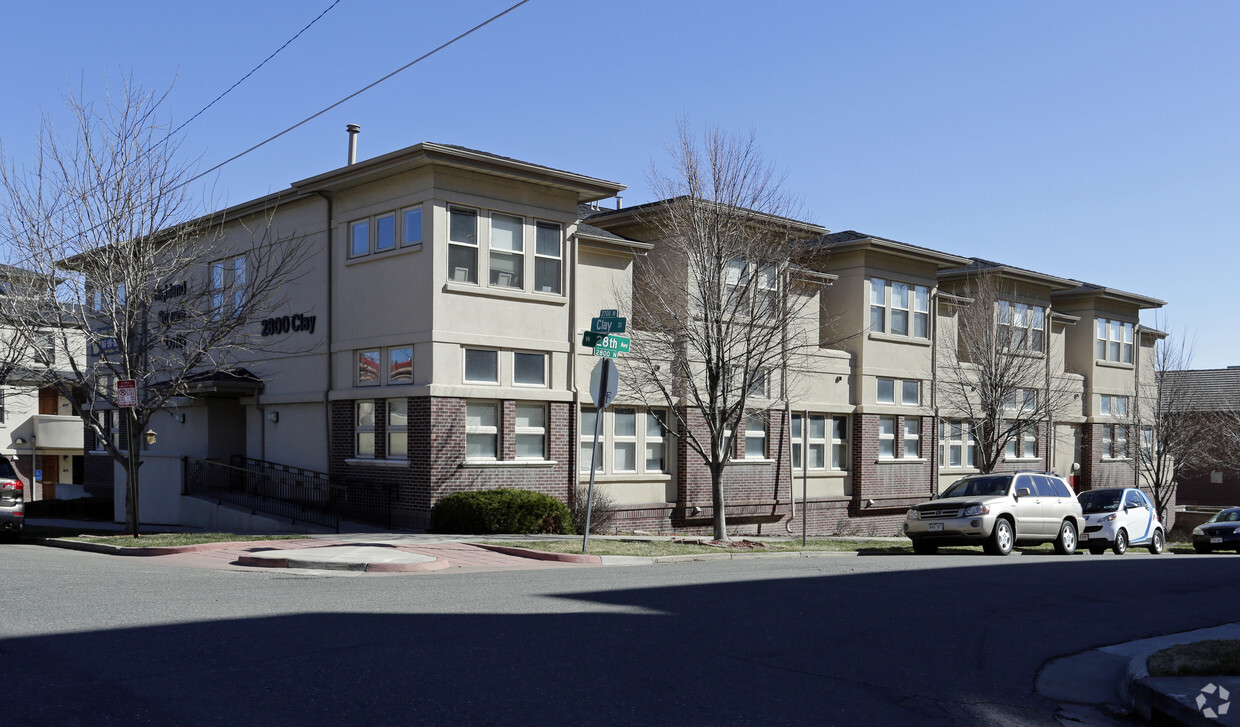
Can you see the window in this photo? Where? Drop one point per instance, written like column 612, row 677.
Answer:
column 766, row 291
column 1147, row 437
column 1115, row 441
column 368, row 367
column 839, row 442
column 813, row 440
column 400, row 365
column 1113, row 405
column 529, row 369
column 481, row 430
column 463, row 245
column 1023, row 444
column 385, row 232
column 757, row 383
column 531, row 431
column 548, row 257
column 481, row 366
column 957, row 447
column 900, row 309
column 364, row 428
column 411, row 226
column 624, row 440
column 886, row 437
column 397, row 428
column 1, row 406
column 46, row 353
column 227, row 285
column 1021, row 327
column 656, row 428
column 910, row 391
column 911, row 434
column 507, row 251
column 1114, row 341
column 624, row 433
column 359, row 238
column 755, row 436
column 1024, row 401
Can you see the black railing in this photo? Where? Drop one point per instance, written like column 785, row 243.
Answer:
column 270, row 488
column 290, row 492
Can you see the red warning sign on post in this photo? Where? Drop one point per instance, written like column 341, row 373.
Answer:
column 127, row 393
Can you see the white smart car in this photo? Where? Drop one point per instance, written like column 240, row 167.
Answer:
column 1117, row 517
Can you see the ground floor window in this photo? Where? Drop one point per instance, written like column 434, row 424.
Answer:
column 1023, row 444
column 482, row 430
column 957, row 448
column 1114, row 441
column 397, row 428
column 364, row 427
column 626, row 432
column 812, row 434
column 531, row 431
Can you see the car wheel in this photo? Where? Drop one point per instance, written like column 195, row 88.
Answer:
column 924, row 548
column 1120, row 546
column 1201, row 548
column 1065, row 544
column 1097, row 549
column 1157, row 542
column 1001, row 538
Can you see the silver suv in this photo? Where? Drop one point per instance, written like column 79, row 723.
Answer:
column 998, row 511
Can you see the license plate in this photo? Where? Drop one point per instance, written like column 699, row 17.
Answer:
column 1216, row 540
column 935, row 527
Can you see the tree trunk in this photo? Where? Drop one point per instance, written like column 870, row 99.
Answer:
column 717, row 501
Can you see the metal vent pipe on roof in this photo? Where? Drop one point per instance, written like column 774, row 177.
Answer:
column 619, row 201
column 353, row 130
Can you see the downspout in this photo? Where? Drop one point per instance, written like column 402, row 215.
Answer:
column 787, row 428
column 1135, row 436
column 331, row 321
column 934, row 392
column 574, row 472
column 1050, row 408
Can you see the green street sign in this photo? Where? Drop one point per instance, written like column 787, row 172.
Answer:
column 608, row 324
column 591, row 338
column 608, row 313
column 611, row 346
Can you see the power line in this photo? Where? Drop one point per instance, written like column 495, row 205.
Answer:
column 255, row 68
column 360, row 91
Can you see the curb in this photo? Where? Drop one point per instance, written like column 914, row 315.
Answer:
column 106, row 549
column 582, row 558
column 261, row 562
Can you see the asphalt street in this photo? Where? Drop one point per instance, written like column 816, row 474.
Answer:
column 90, row 639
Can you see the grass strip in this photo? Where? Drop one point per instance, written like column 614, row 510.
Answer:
column 1215, row 657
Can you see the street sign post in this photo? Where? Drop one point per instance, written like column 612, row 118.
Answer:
column 604, row 384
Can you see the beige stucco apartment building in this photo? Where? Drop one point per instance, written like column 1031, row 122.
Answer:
column 432, row 345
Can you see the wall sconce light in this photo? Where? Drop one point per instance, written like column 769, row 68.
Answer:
column 273, row 417
column 838, row 379
column 19, row 440
column 697, row 510
column 150, row 436
column 179, row 416
column 869, row 503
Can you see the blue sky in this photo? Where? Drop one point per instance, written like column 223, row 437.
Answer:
column 1091, row 140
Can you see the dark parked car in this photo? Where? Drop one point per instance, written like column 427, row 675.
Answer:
column 1221, row 532
column 12, row 506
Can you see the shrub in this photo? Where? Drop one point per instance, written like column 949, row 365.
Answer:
column 501, row 511
column 602, row 514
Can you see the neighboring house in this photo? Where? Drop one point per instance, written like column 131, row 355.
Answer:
column 1213, row 393
column 433, row 346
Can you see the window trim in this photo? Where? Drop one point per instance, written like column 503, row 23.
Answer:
column 475, row 246
column 484, row 430
column 518, row 252
column 882, row 305
column 542, row 384
column 608, row 440
column 465, row 366
column 360, row 430
column 391, row 429
column 527, row 431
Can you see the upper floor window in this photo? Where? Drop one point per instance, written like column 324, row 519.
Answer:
column 1114, row 340
column 548, row 257
column 908, row 391
column 901, row 309
column 1113, row 405
column 379, row 233
column 529, row 369
column 482, row 366
column 507, row 261
column 399, row 365
column 1024, row 401
column 463, row 245
column 1021, row 327
column 228, row 285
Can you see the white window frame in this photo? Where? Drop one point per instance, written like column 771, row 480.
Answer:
column 529, row 431
column 463, row 246
column 405, row 227
column 910, row 436
column 957, row 435
column 755, row 435
column 357, row 366
column 396, row 430
column 517, row 253
column 840, row 453
column 585, row 441
column 887, row 437
column 389, row 357
column 465, row 365
column 483, row 431
column 363, row 431
column 1023, row 444
column 640, row 440
column 884, row 305
column 899, row 391
column 543, row 260
column 815, row 442
column 542, row 382
column 1112, row 405
column 624, row 441
column 227, row 280
column 656, row 439
column 1114, row 340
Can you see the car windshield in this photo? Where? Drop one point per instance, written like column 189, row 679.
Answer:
column 979, row 487
column 1100, row 500
column 6, row 470
column 1225, row 516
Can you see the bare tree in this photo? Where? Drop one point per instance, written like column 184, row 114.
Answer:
column 716, row 304
column 131, row 281
column 997, row 377
column 1172, row 426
